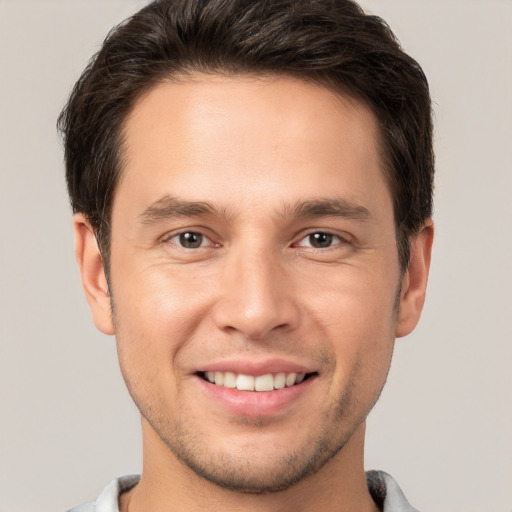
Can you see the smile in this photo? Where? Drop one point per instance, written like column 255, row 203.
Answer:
column 244, row 382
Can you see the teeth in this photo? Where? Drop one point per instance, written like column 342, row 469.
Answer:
column 242, row 382
column 290, row 379
column 280, row 381
column 264, row 382
column 229, row 380
column 245, row 382
column 219, row 379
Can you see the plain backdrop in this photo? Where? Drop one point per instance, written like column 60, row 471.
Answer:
column 443, row 425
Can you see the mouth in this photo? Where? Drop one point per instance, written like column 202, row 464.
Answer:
column 256, row 383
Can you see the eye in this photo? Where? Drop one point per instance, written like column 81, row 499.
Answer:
column 189, row 240
column 320, row 240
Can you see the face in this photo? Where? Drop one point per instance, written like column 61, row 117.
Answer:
column 254, row 275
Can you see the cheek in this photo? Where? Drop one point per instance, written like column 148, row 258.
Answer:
column 356, row 314
column 154, row 321
column 353, row 301
column 156, row 314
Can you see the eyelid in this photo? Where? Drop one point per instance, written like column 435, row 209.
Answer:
column 172, row 234
column 343, row 238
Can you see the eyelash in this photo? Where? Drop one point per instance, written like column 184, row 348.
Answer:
column 169, row 238
column 331, row 237
column 334, row 240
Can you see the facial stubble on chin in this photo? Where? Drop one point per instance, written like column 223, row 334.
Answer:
column 245, row 471
column 240, row 473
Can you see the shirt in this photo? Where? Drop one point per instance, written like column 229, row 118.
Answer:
column 383, row 488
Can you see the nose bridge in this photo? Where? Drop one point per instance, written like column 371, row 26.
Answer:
column 255, row 298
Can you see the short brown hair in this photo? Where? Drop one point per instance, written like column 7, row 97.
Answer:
column 332, row 42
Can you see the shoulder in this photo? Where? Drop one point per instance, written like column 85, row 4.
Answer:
column 86, row 507
column 109, row 498
column 387, row 493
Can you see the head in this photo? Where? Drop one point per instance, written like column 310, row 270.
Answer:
column 258, row 176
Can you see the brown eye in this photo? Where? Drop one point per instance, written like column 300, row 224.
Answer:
column 190, row 240
column 320, row 240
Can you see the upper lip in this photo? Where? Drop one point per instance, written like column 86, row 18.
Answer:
column 255, row 367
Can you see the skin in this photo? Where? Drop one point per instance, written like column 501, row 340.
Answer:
column 259, row 152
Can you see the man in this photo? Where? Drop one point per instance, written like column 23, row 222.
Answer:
column 252, row 188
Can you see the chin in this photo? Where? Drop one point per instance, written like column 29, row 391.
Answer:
column 253, row 471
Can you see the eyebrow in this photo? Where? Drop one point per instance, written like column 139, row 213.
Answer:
column 338, row 207
column 170, row 207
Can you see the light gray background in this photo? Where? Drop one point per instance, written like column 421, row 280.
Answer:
column 443, row 425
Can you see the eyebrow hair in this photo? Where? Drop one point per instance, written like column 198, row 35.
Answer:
column 169, row 206
column 339, row 207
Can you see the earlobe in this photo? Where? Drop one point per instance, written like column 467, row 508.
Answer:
column 414, row 281
column 94, row 281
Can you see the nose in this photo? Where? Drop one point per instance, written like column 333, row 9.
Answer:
column 255, row 296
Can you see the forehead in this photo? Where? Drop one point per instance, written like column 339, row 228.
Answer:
column 218, row 136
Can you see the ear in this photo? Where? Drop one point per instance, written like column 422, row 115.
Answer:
column 94, row 281
column 414, row 281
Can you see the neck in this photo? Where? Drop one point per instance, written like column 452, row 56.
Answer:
column 168, row 485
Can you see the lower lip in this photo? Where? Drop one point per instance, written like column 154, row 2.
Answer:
column 255, row 403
